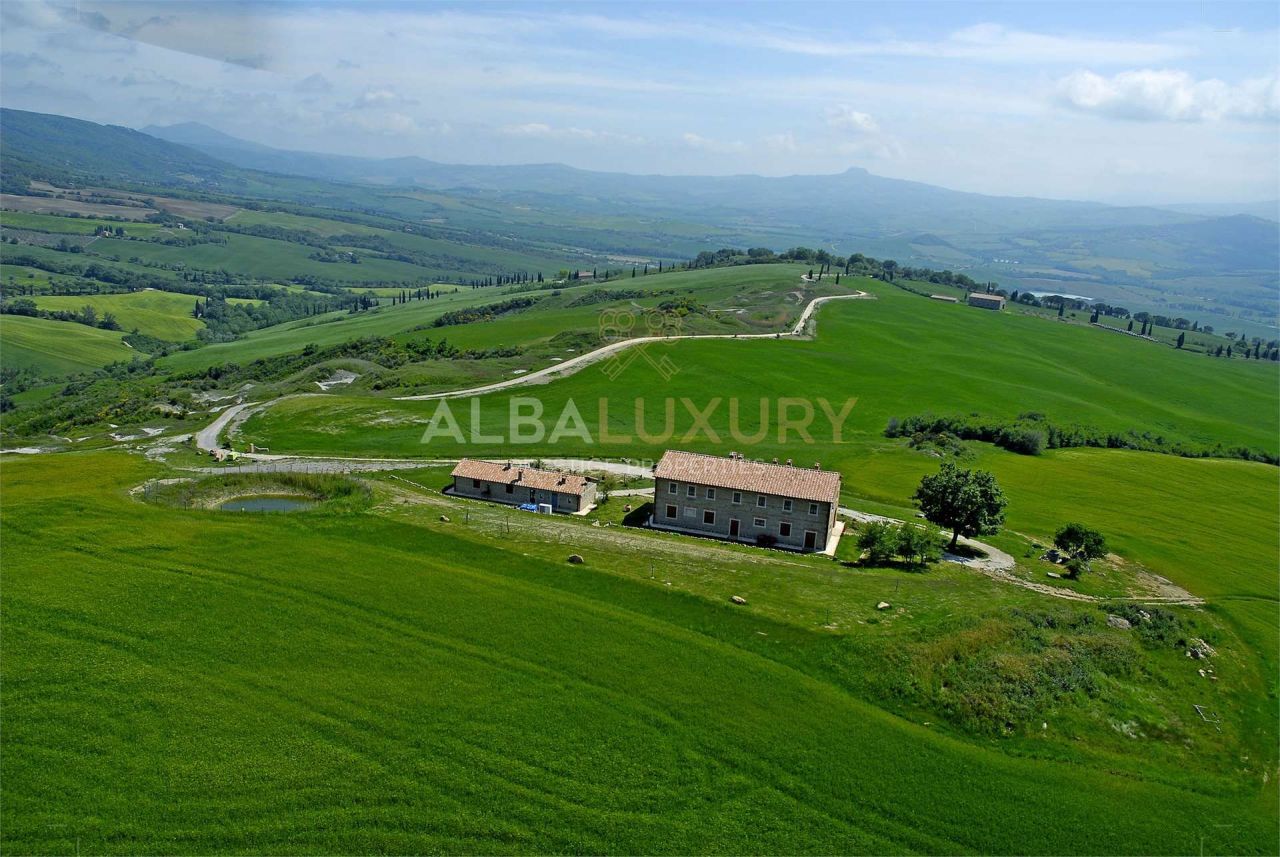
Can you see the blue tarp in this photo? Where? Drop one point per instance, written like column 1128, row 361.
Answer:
column 528, row 507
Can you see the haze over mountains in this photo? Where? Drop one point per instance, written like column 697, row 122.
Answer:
column 1182, row 260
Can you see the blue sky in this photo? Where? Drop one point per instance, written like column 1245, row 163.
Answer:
column 1126, row 103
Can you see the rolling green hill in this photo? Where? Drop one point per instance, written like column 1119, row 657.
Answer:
column 164, row 315
column 58, row 347
column 898, row 355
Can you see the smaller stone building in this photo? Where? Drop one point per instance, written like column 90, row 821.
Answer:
column 517, row 484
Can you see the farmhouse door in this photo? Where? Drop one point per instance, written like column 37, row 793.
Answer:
column 733, row 528
column 810, row 540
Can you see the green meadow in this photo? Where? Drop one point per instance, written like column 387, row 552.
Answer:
column 1205, row 524
column 164, row 315
column 78, row 225
column 342, row 680
column 746, row 300
column 58, row 347
column 898, row 355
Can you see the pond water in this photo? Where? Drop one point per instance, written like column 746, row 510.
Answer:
column 266, row 503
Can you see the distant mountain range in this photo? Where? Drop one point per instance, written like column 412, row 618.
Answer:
column 853, row 197
column 1179, row 253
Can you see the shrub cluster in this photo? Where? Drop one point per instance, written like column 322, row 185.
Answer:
column 1031, row 433
column 487, row 312
column 882, row 541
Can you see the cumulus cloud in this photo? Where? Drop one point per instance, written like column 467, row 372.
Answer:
column 1169, row 95
column 842, row 117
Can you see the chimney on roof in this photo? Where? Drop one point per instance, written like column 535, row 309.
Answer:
column 519, row 475
column 789, row 462
column 563, row 480
column 817, row 465
column 507, row 466
column 775, row 461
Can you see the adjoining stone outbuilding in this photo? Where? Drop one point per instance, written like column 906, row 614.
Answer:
column 985, row 301
column 773, row 505
column 516, row 484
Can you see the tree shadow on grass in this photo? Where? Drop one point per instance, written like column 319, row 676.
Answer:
column 967, row 552
column 888, row 565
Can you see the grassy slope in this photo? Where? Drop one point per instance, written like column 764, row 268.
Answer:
column 258, row 688
column 903, row 354
column 898, row 355
column 164, row 315
column 762, row 286
column 58, row 347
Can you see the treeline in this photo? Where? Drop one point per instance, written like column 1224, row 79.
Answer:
column 86, row 315
column 385, row 352
column 1031, row 433
column 225, row 320
column 483, row 313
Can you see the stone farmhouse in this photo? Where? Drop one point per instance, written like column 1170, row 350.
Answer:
column 504, row 482
column 985, row 301
column 773, row 505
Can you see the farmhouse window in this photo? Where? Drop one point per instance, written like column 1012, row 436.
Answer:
column 786, row 505
column 671, row 511
column 760, row 501
column 475, row 483
column 693, row 491
column 737, row 498
column 690, row 512
column 708, row 516
column 813, row 508
column 761, row 523
column 784, row 529
column 711, row 493
column 672, row 488
column 511, row 489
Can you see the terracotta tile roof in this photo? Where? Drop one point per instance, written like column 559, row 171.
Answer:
column 979, row 296
column 521, row 476
column 740, row 474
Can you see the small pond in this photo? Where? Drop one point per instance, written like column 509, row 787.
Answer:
column 266, row 503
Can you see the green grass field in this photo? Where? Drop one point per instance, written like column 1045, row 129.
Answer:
column 898, row 355
column 185, row 682
column 58, row 347
column 78, row 225
column 164, row 315
column 902, row 355
column 762, row 292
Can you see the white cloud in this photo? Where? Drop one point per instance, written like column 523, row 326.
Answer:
column 842, row 117
column 1162, row 94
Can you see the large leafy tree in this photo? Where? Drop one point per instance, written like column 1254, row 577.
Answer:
column 967, row 502
column 1079, row 542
